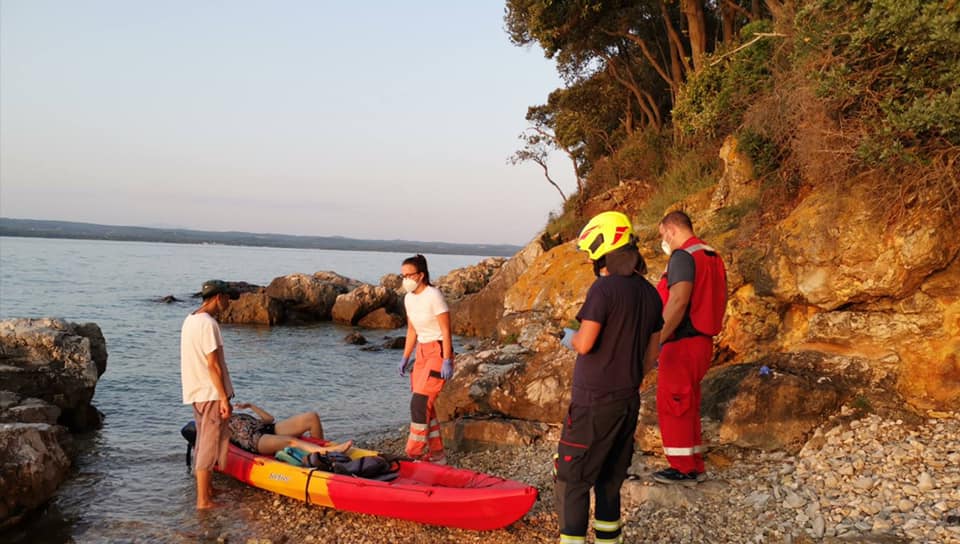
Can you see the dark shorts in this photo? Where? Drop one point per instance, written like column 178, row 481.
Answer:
column 246, row 430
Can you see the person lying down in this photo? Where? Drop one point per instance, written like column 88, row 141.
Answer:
column 264, row 435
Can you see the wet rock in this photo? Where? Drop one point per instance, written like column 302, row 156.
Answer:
column 307, row 298
column 350, row 307
column 381, row 319
column 397, row 342
column 355, row 338
column 30, row 410
column 32, row 466
column 56, row 361
column 257, row 308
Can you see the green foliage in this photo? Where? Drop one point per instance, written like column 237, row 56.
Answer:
column 639, row 157
column 895, row 66
column 713, row 100
column 862, row 404
column 565, row 225
column 689, row 171
column 763, row 151
column 510, row 338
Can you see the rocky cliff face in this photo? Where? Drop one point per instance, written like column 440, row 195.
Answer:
column 48, row 373
column 841, row 301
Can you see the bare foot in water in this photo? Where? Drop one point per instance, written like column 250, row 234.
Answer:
column 209, row 505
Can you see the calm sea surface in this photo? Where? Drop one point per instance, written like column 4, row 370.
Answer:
column 130, row 482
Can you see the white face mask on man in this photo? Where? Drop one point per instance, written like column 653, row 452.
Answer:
column 409, row 285
column 665, row 247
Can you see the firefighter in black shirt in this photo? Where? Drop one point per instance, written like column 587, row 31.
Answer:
column 617, row 343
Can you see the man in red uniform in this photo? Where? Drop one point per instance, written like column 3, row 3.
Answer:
column 694, row 293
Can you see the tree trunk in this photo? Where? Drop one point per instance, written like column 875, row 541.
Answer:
column 776, row 8
column 755, row 10
column 697, row 27
column 727, row 17
column 652, row 116
column 678, row 55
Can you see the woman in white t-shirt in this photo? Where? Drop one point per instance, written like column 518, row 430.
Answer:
column 428, row 330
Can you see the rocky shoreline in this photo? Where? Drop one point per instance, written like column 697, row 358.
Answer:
column 49, row 370
column 860, row 478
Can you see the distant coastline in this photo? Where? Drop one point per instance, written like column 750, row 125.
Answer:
column 34, row 228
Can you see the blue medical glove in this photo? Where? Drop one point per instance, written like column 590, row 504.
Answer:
column 446, row 371
column 402, row 367
column 567, row 339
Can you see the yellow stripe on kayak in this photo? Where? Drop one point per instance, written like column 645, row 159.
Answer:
column 291, row 481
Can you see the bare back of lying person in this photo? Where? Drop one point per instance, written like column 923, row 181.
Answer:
column 264, row 435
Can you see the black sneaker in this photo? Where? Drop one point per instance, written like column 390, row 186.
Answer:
column 674, row 476
column 698, row 476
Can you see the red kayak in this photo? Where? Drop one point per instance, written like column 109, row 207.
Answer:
column 421, row 491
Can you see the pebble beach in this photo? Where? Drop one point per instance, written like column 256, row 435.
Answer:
column 859, row 478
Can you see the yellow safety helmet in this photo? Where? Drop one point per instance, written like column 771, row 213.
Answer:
column 604, row 233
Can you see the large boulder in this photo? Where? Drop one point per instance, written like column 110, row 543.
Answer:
column 509, row 381
column 381, row 319
column 327, row 276
column 350, row 307
column 307, row 298
column 837, row 248
column 470, row 279
column 254, row 308
column 484, row 433
column 546, row 297
column 32, row 466
column 56, row 361
column 477, row 314
column 741, row 407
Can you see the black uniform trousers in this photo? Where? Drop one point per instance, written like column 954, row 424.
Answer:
column 595, row 450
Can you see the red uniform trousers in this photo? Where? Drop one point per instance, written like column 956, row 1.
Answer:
column 683, row 363
column 424, row 441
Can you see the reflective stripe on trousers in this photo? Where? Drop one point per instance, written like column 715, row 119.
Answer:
column 684, row 451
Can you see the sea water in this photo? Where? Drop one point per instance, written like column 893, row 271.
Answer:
column 130, row 482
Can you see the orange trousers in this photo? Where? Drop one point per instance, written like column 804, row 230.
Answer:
column 424, row 441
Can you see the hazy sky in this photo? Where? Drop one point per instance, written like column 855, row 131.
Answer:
column 390, row 120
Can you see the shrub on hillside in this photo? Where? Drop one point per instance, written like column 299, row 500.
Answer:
column 712, row 101
column 890, row 69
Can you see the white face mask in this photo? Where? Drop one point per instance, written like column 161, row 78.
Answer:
column 409, row 285
column 665, row 247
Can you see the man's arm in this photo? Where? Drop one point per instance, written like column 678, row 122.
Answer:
column 653, row 352
column 215, row 366
column 676, row 307
column 586, row 337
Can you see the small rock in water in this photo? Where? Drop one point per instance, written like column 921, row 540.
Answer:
column 355, row 338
